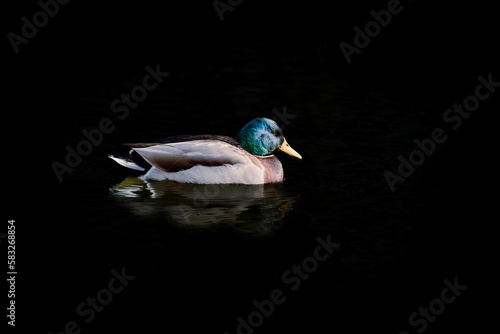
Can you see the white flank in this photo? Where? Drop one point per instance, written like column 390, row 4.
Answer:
column 238, row 169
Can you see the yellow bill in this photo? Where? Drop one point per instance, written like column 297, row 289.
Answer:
column 289, row 150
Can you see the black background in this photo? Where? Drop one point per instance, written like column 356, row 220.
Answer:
column 434, row 53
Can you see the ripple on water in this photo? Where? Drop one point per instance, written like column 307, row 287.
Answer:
column 249, row 209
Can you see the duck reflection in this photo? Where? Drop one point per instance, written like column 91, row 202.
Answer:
column 251, row 209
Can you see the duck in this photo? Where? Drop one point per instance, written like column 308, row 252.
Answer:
column 213, row 159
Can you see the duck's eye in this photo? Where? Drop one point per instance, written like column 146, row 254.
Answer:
column 274, row 133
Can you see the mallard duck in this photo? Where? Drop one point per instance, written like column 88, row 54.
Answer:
column 211, row 159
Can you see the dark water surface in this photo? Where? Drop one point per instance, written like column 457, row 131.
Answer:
column 201, row 254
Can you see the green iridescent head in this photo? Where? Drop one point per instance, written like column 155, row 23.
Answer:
column 262, row 136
